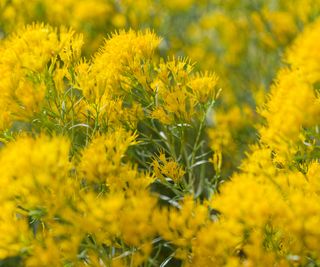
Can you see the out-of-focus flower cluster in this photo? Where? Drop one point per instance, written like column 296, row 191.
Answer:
column 123, row 148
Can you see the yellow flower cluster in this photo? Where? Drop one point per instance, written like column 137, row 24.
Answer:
column 25, row 59
column 76, row 187
column 293, row 92
column 125, row 155
column 206, row 31
column 164, row 168
column 271, row 206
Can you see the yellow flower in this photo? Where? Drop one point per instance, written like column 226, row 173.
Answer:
column 203, row 87
column 23, row 66
column 164, row 168
column 103, row 157
column 180, row 225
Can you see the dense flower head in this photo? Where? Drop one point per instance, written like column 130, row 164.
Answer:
column 293, row 91
column 26, row 56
